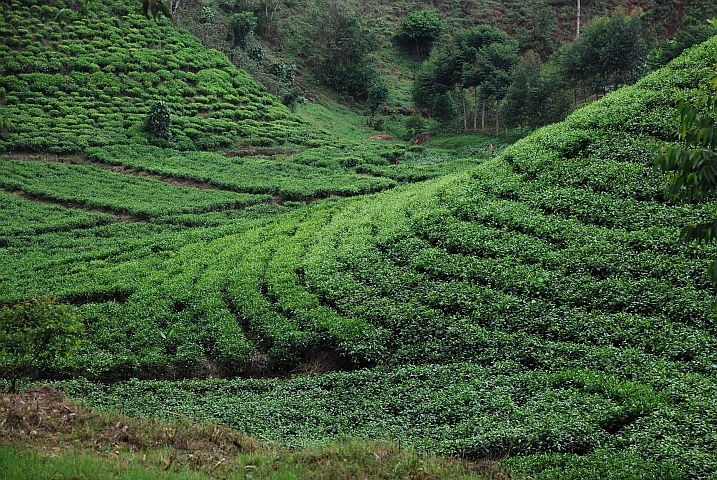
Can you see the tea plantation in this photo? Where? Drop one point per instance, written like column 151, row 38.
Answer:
column 535, row 307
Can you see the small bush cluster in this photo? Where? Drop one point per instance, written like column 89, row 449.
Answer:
column 159, row 121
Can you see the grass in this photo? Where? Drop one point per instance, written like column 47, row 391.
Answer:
column 43, row 435
column 339, row 120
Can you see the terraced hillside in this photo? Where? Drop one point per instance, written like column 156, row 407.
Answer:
column 535, row 306
column 69, row 80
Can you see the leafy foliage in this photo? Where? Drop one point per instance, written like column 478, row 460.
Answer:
column 342, row 58
column 90, row 81
column 537, row 303
column 421, row 29
column 33, row 334
column 692, row 165
column 242, row 26
column 610, row 51
column 159, row 121
column 376, row 96
column 480, row 59
column 155, row 8
column 536, row 97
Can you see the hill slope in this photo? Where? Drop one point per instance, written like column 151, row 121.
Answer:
column 69, row 81
column 538, row 307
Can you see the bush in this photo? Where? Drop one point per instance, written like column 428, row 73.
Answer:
column 33, row 334
column 242, row 26
column 159, row 121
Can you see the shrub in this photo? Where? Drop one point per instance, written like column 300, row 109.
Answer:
column 159, row 121
column 33, row 334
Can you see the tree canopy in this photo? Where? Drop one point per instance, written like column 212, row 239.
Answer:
column 33, row 334
column 610, row 51
column 420, row 29
column 479, row 60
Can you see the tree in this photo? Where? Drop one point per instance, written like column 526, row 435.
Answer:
column 541, row 36
column 479, row 59
column 609, row 51
column 33, row 334
column 420, row 29
column 521, row 100
column 377, row 95
column 692, row 163
column 241, row 27
column 485, row 57
column 692, row 33
column 537, row 96
column 343, row 47
column 155, row 8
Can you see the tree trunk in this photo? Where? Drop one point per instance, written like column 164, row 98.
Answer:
column 475, row 109
column 465, row 113
column 497, row 112
column 482, row 118
column 577, row 33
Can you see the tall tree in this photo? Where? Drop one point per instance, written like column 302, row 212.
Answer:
column 486, row 57
column 478, row 60
column 540, row 34
column 343, row 46
column 609, row 52
column 521, row 101
column 420, row 29
column 537, row 96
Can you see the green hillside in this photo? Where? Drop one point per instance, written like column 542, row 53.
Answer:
column 69, row 81
column 299, row 34
column 535, row 307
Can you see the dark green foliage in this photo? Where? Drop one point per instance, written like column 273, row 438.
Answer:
column 241, row 27
column 419, row 30
column 342, row 52
column 692, row 165
column 159, row 121
column 377, row 95
column 610, row 51
column 293, row 98
column 693, row 33
column 540, row 37
column 479, row 60
column 207, row 15
column 536, row 97
column 34, row 334
column 155, row 8
column 257, row 53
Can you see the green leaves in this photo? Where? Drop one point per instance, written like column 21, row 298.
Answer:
column 159, row 121
column 692, row 164
column 92, row 82
column 421, row 29
column 609, row 52
column 34, row 334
